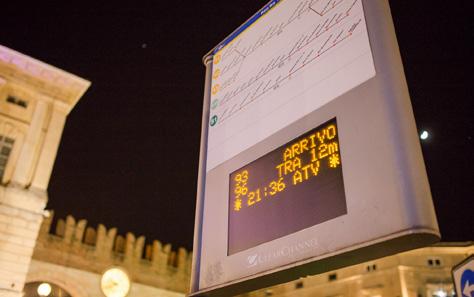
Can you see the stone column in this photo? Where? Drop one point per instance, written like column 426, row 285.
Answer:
column 25, row 165
column 50, row 146
column 18, row 232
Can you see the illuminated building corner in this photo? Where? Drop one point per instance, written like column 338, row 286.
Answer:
column 35, row 99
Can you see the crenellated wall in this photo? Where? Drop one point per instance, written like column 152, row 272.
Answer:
column 74, row 244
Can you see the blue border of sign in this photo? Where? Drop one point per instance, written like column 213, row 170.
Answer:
column 247, row 24
column 457, row 267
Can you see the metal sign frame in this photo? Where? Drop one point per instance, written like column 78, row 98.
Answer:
column 419, row 227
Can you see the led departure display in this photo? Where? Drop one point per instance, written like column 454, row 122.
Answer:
column 295, row 186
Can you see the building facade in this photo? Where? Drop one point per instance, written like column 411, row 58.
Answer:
column 74, row 258
column 35, row 99
column 424, row 272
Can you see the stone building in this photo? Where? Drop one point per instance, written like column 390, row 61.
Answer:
column 74, row 258
column 35, row 99
column 424, row 272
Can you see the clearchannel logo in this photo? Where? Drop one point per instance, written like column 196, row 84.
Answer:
column 287, row 251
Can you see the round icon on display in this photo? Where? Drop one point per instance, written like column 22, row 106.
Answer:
column 213, row 120
column 214, row 104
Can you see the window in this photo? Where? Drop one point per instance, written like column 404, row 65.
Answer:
column 299, row 285
column 19, row 102
column 372, row 267
column 332, row 277
column 6, row 145
column 434, row 262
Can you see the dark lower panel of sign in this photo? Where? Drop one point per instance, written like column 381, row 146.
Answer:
column 296, row 186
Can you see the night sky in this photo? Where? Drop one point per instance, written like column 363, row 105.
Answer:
column 129, row 152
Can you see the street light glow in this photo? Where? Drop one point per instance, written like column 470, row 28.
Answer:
column 44, row 289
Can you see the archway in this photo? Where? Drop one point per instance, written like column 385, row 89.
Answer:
column 42, row 289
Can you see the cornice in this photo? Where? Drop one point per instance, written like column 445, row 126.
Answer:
column 46, row 79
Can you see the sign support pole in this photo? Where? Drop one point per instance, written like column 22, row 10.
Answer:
column 196, row 264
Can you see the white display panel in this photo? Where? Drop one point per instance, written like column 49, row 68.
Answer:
column 296, row 57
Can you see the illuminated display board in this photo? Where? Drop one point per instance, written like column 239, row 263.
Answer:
column 296, row 186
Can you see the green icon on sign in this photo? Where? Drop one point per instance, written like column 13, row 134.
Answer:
column 213, row 120
column 214, row 104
